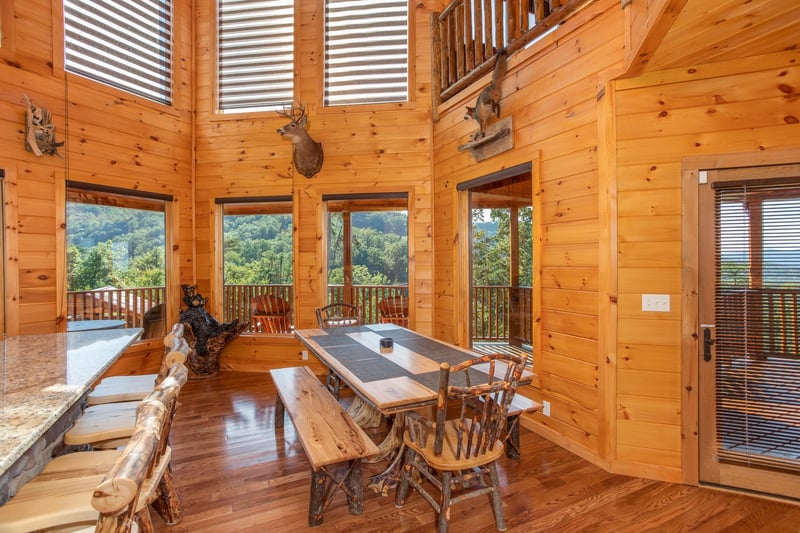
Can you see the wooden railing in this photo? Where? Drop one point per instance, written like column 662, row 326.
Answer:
column 237, row 298
column 759, row 322
column 468, row 34
column 501, row 314
column 129, row 305
column 366, row 297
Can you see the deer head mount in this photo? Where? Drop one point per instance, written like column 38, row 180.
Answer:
column 306, row 152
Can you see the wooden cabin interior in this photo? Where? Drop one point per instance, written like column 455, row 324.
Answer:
column 623, row 119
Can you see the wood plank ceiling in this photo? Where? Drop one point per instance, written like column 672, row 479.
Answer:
column 708, row 31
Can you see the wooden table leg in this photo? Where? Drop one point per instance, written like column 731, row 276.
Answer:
column 393, row 444
column 364, row 414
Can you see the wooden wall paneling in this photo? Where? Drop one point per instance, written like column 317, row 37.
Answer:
column 720, row 101
column 11, row 245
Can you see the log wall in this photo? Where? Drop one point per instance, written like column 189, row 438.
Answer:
column 747, row 107
column 112, row 138
column 368, row 148
column 606, row 150
column 553, row 92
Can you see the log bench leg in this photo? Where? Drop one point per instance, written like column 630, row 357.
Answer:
column 326, row 481
column 512, row 439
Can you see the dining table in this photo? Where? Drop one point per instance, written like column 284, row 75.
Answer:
column 390, row 368
column 43, row 381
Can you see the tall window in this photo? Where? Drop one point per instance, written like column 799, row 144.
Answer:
column 257, row 262
column 116, row 259
column 126, row 44
column 367, row 250
column 255, row 61
column 366, row 52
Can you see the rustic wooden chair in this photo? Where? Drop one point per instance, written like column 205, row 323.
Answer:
column 394, row 311
column 339, row 316
column 458, row 454
column 271, row 314
column 114, row 389
column 111, row 489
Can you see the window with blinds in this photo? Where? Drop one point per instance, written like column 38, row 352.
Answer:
column 366, row 52
column 255, row 54
column 126, row 44
column 757, row 301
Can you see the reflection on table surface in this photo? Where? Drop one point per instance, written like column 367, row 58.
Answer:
column 89, row 325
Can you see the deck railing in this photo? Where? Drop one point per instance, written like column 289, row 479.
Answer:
column 110, row 303
column 237, row 298
column 759, row 322
column 501, row 314
column 468, row 34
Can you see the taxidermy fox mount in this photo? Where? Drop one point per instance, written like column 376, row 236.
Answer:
column 488, row 102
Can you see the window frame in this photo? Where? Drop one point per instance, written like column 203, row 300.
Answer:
column 60, row 63
column 218, row 283
column 214, row 61
column 410, row 73
column 171, row 252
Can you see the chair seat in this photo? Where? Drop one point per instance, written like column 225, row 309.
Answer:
column 122, row 389
column 447, row 460
column 62, row 492
column 103, row 422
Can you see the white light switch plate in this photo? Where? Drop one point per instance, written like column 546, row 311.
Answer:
column 655, row 302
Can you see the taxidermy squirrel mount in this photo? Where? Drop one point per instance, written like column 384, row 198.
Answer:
column 306, row 152
column 488, row 102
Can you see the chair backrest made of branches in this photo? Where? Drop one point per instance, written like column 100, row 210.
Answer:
column 116, row 496
column 477, row 393
column 338, row 316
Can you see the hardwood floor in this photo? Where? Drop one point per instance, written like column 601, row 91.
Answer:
column 235, row 473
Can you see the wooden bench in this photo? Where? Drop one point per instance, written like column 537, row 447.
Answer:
column 519, row 404
column 333, row 443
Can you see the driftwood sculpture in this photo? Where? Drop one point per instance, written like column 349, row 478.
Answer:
column 306, row 152
column 40, row 133
column 205, row 334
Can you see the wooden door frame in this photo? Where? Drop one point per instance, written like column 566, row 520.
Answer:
column 692, row 171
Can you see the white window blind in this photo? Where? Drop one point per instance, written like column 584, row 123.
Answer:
column 126, row 44
column 255, row 63
column 366, row 51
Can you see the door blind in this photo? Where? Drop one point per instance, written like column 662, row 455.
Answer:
column 126, row 44
column 757, row 300
column 366, row 52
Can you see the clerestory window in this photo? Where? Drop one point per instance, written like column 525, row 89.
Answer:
column 366, row 52
column 255, row 54
column 126, row 44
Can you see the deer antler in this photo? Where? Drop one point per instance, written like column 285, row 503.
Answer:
column 292, row 112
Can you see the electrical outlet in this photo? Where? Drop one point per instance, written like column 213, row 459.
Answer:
column 655, row 302
column 304, row 355
column 546, row 408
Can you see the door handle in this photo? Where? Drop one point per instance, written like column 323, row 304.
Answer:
column 708, row 342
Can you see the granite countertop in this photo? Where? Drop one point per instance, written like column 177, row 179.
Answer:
column 42, row 376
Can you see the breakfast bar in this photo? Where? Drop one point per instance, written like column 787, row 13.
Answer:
column 43, row 379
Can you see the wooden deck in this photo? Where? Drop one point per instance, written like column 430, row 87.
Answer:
column 236, row 473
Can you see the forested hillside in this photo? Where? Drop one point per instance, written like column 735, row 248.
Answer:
column 114, row 246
